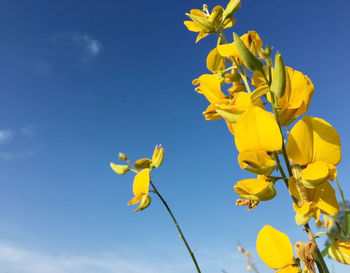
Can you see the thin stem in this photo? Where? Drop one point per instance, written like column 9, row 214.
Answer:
column 281, row 169
column 177, row 226
column 342, row 195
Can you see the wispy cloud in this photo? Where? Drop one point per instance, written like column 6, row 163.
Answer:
column 19, row 260
column 15, row 155
column 6, row 135
column 90, row 45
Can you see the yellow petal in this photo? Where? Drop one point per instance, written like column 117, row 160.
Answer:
column 256, row 162
column 304, row 213
column 297, row 98
column 135, row 199
column 258, row 189
column 228, row 50
column 209, row 86
column 141, row 182
column 192, row 26
column 300, row 142
column 257, row 130
column 326, row 142
column 315, row 174
column 201, row 35
column 340, row 253
column 274, row 248
column 325, row 199
column 215, row 62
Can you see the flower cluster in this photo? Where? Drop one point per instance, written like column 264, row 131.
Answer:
column 259, row 97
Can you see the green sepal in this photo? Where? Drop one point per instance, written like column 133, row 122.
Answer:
column 248, row 58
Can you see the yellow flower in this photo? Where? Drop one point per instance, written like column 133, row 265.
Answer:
column 221, row 106
column 313, row 202
column 230, row 51
column 210, row 87
column 297, row 97
column 205, row 24
column 141, row 189
column 215, row 62
column 158, row 156
column 256, row 134
column 258, row 162
column 340, row 251
column 314, row 143
column 256, row 189
column 276, row 250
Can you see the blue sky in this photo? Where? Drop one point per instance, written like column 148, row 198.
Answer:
column 81, row 81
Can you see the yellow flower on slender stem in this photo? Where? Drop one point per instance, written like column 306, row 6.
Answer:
column 205, row 23
column 340, row 251
column 276, row 250
column 141, row 190
column 315, row 144
column 297, row 97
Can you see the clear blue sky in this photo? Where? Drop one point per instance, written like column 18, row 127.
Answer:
column 81, row 81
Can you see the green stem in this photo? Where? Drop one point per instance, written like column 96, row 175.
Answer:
column 341, row 194
column 177, row 226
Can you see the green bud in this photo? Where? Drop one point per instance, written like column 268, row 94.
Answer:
column 278, row 86
column 202, row 22
column 120, row 169
column 144, row 203
column 231, row 8
column 265, row 52
column 122, row 156
column 248, row 58
column 143, row 163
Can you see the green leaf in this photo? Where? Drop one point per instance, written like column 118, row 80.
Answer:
column 347, row 223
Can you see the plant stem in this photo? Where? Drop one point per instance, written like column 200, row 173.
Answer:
column 342, row 195
column 177, row 226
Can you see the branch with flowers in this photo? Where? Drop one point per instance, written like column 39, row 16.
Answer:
column 258, row 97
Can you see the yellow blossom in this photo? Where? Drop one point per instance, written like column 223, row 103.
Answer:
column 210, row 87
column 340, row 251
column 297, row 97
column 256, row 189
column 256, row 134
column 313, row 202
column 141, row 189
column 205, row 24
column 158, row 156
column 276, row 250
column 315, row 144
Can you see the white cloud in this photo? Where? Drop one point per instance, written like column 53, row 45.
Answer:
column 19, row 260
column 91, row 45
column 6, row 135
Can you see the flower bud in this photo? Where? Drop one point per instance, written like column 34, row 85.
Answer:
column 249, row 267
column 120, row 169
column 143, row 163
column 231, row 8
column 158, row 156
column 144, row 203
column 240, row 249
column 248, row 58
column 122, row 156
column 278, row 86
